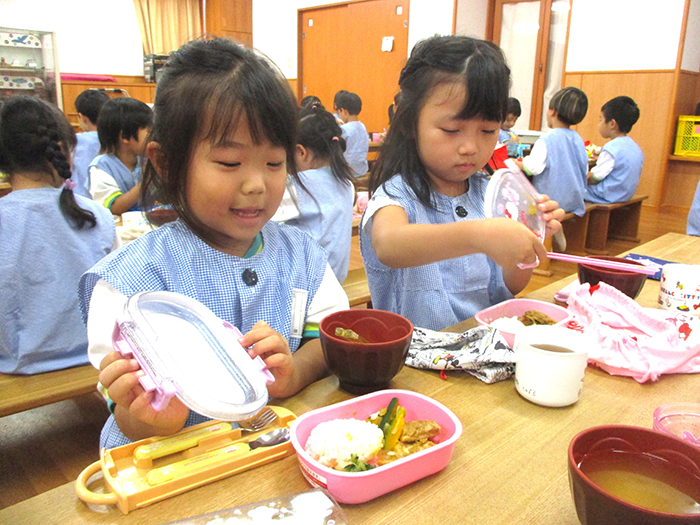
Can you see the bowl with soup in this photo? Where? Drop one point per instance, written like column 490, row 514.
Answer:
column 631, row 475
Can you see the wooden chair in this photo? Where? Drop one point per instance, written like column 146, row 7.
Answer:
column 619, row 220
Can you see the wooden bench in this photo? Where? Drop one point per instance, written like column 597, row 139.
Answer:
column 619, row 220
column 576, row 230
column 357, row 289
column 20, row 392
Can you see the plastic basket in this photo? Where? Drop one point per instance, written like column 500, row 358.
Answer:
column 688, row 136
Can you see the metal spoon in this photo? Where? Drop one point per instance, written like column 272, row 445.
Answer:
column 277, row 436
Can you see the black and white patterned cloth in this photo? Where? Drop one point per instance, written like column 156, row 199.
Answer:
column 481, row 351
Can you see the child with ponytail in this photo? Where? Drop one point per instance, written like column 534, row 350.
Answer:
column 324, row 192
column 48, row 238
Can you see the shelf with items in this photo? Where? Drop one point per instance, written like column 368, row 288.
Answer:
column 29, row 64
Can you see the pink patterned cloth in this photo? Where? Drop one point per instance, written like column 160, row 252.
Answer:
column 633, row 341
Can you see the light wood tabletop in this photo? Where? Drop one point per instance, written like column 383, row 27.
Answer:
column 509, row 466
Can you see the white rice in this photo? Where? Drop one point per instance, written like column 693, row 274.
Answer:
column 331, row 443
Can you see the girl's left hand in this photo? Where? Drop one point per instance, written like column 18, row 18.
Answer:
column 269, row 344
column 552, row 214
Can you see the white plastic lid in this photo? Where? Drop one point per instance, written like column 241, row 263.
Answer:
column 187, row 351
column 510, row 194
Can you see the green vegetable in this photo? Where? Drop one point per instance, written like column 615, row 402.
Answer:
column 391, row 437
column 390, row 413
column 356, row 465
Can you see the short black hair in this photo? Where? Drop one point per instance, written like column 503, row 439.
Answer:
column 571, row 105
column 351, row 102
column 122, row 118
column 514, row 107
column 90, row 102
column 310, row 100
column 624, row 110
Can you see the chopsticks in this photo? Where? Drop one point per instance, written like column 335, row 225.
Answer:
column 613, row 265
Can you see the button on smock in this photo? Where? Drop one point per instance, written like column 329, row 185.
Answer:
column 461, row 211
column 250, row 277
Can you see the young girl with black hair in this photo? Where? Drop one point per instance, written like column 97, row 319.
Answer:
column 325, row 194
column 222, row 144
column 428, row 251
column 48, row 238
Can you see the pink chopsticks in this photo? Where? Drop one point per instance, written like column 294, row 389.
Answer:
column 613, row 265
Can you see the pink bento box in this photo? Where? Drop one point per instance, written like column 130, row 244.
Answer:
column 516, row 308
column 359, row 487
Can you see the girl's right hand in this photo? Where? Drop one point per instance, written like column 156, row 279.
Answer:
column 136, row 418
column 511, row 243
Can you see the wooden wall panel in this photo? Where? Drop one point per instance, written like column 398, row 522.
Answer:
column 652, row 90
column 230, row 19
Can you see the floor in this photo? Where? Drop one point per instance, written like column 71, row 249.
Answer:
column 49, row 446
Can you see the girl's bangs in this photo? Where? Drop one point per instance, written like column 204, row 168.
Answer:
column 487, row 90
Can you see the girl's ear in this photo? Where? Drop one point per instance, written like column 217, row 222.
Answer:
column 155, row 156
column 613, row 124
column 301, row 152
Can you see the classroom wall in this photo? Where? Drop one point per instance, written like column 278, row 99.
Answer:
column 471, row 18
column 86, row 43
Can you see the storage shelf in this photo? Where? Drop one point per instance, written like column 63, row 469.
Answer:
column 21, row 70
column 685, row 158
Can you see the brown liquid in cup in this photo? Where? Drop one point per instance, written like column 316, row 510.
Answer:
column 553, row 348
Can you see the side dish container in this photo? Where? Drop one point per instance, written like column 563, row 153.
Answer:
column 359, row 487
column 516, row 308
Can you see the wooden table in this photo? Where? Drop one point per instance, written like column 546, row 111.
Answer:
column 509, row 466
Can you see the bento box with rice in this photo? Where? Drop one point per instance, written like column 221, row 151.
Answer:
column 346, row 453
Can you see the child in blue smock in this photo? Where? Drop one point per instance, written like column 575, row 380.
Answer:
column 693, row 226
column 618, row 168
column 348, row 105
column 88, row 105
column 115, row 174
column 506, row 136
column 222, row 145
column 48, row 237
column 429, row 253
column 558, row 161
column 324, row 193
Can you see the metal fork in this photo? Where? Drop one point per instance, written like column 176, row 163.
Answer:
column 259, row 420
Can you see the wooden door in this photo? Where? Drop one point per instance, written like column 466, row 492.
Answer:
column 340, row 47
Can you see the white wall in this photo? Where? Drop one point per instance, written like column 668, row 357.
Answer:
column 620, row 35
column 471, row 18
column 427, row 18
column 691, row 47
column 93, row 36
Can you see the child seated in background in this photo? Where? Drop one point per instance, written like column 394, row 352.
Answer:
column 558, row 161
column 324, row 192
column 616, row 174
column 48, row 237
column 693, row 226
column 88, row 105
column 115, row 174
column 506, row 136
column 348, row 105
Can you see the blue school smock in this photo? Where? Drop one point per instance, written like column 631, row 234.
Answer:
column 443, row 293
column 620, row 184
column 693, row 227
column 356, row 147
column 124, row 178
column 565, row 177
column 85, row 151
column 325, row 213
column 42, row 258
column 239, row 290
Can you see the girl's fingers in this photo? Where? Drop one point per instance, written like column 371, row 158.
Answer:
column 117, row 369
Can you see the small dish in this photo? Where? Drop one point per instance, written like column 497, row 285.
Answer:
column 679, row 419
column 359, row 487
column 516, row 308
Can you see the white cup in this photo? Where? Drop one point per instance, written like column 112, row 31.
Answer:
column 680, row 288
column 550, row 363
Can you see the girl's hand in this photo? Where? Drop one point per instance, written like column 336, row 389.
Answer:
column 552, row 214
column 514, row 243
column 135, row 416
column 264, row 341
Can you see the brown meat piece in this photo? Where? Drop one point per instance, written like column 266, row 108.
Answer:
column 534, row 317
column 419, row 431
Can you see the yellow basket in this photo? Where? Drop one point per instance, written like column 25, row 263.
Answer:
column 688, row 136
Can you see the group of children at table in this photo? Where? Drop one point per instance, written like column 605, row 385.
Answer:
column 225, row 144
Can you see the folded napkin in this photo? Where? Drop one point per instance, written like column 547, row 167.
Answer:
column 481, row 351
column 629, row 340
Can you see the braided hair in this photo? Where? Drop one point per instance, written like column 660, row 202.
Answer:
column 319, row 132
column 36, row 137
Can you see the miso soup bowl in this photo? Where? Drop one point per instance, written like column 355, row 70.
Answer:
column 629, row 283
column 366, row 367
column 595, row 506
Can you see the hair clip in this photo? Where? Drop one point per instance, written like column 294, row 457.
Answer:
column 70, row 184
column 336, row 138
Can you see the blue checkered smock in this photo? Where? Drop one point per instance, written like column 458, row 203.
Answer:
column 173, row 258
column 443, row 293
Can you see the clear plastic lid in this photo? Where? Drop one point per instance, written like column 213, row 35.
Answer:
column 510, row 194
column 187, row 351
